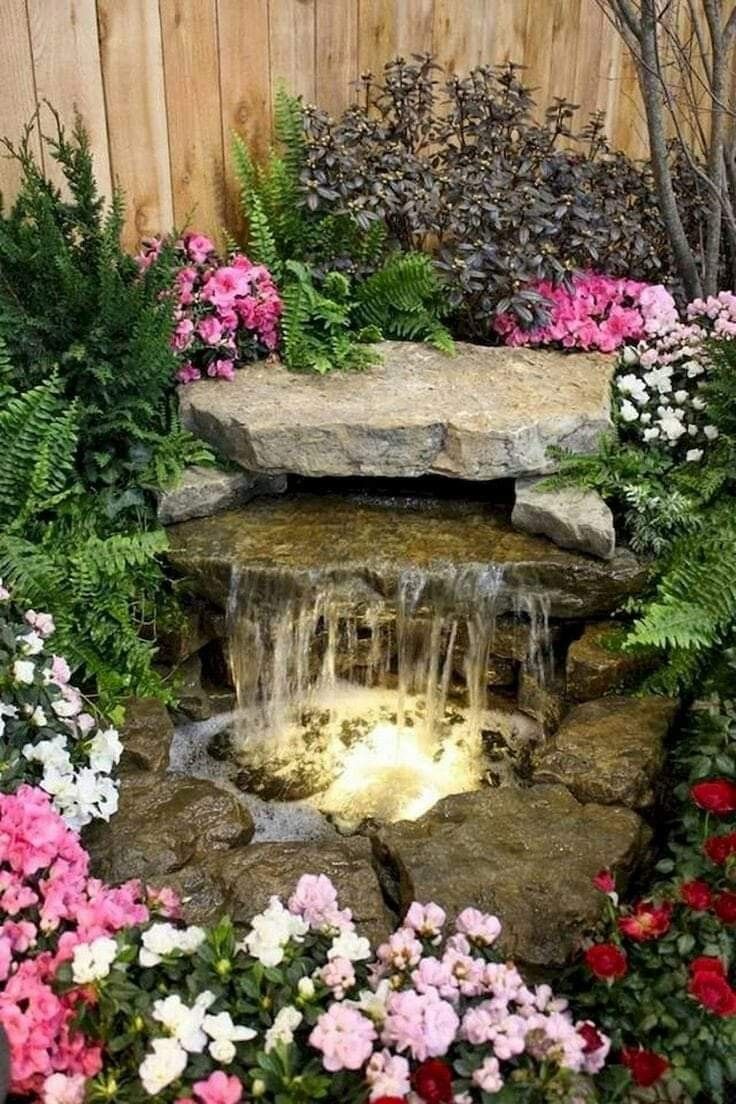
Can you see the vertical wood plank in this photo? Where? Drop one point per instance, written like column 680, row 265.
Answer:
column 18, row 97
column 191, row 72
column 66, row 57
column 293, row 46
column 245, row 86
column 589, row 60
column 565, row 29
column 336, row 54
column 509, row 26
column 459, row 33
column 414, row 20
column 133, row 76
column 377, row 35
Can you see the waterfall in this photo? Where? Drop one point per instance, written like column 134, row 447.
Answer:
column 295, row 639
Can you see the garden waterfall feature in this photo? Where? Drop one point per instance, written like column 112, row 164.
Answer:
column 389, row 644
column 383, row 704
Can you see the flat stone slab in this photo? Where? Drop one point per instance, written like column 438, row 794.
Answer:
column 527, row 855
column 485, row 413
column 610, row 751
column 594, row 669
column 571, row 517
column 364, row 545
column 204, row 491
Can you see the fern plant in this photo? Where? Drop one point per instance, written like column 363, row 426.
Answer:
column 88, row 423
column 339, row 284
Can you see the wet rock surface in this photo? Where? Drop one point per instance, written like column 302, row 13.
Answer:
column 595, row 668
column 204, row 491
column 571, row 517
column 527, row 855
column 146, row 735
column 164, row 823
column 610, row 751
column 364, row 544
column 485, row 413
column 250, row 876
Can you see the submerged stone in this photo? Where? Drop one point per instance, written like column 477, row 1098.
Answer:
column 610, row 751
column 485, row 413
column 527, row 855
column 363, row 546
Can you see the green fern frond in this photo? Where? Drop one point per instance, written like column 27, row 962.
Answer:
column 403, row 300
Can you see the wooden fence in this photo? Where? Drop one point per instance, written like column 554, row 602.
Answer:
column 161, row 84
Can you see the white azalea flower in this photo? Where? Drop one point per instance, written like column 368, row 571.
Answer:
column 693, row 455
column 92, row 961
column 660, row 379
column 184, row 1023
column 105, row 749
column 224, row 1034
column 711, row 432
column 271, row 931
column 38, row 718
column 30, row 643
column 65, row 709
column 24, row 671
column 351, row 946
column 635, row 387
column 373, row 1003
column 670, row 423
column 164, row 939
column 628, row 411
column 305, row 988
column 165, row 1065
column 283, row 1028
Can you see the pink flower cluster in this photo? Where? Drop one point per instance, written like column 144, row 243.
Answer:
column 432, row 997
column 49, row 905
column 596, row 312
column 227, row 314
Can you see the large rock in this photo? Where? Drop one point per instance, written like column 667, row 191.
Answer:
column 249, row 877
column 610, row 751
column 571, row 517
column 458, row 550
column 481, row 414
column 204, row 491
column 596, row 667
column 527, row 855
column 164, row 823
column 146, row 735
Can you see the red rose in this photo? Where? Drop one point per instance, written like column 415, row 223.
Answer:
column 713, row 992
column 725, row 906
column 605, row 881
column 720, row 848
column 645, row 1066
column 433, row 1081
column 706, row 964
column 647, row 921
column 590, row 1035
column 606, row 961
column 697, row 895
column 716, row 796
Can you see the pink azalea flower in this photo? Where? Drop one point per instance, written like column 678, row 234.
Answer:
column 345, row 1038
column 219, row 1089
column 198, row 247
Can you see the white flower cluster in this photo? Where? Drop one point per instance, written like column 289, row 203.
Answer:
column 44, row 726
column 271, row 932
column 163, row 940
column 660, row 381
column 190, row 1029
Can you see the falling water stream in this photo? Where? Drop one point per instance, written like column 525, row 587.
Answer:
column 377, row 706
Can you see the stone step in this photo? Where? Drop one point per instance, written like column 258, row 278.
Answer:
column 482, row 414
column 363, row 545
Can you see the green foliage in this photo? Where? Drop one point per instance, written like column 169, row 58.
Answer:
column 651, row 1006
column 316, row 327
column 403, row 300
column 72, row 302
column 88, row 423
column 684, row 516
column 339, row 284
